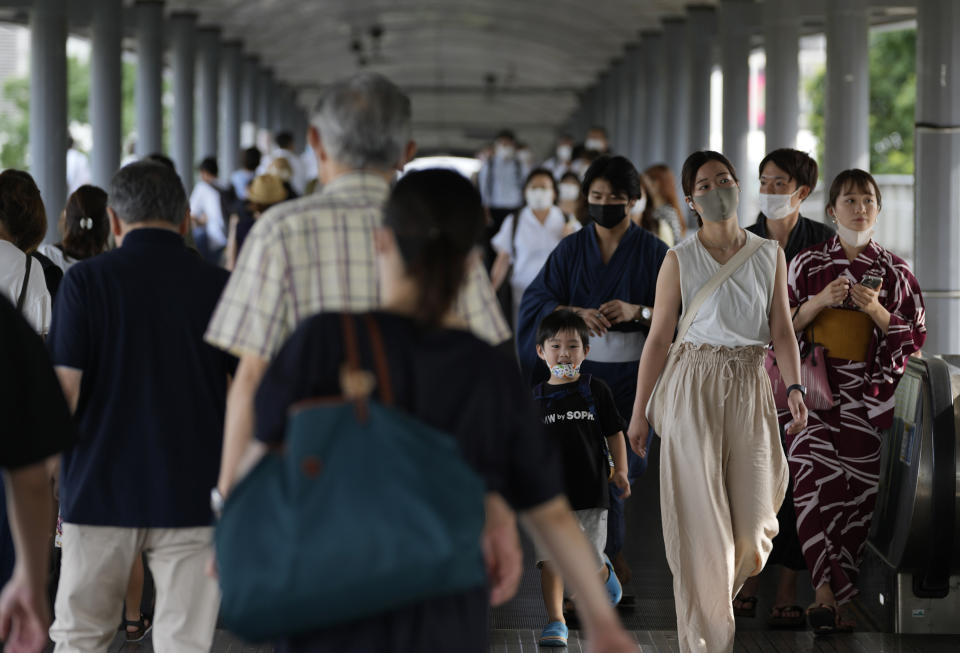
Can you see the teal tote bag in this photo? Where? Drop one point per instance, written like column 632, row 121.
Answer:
column 366, row 510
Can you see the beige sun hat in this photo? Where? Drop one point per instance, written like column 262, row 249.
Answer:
column 266, row 190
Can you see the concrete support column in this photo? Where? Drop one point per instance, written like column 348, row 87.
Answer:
column 279, row 113
column 937, row 172
column 149, row 86
column 781, row 37
column 637, row 117
column 701, row 42
column 626, row 83
column 594, row 106
column 231, row 63
column 677, row 94
column 734, row 55
column 48, row 107
column 611, row 103
column 654, row 127
column 106, row 83
column 208, row 76
column 249, row 101
column 847, row 110
column 183, row 35
column 265, row 110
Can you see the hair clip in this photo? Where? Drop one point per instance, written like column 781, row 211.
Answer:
column 86, row 223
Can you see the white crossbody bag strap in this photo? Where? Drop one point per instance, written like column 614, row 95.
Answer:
column 721, row 275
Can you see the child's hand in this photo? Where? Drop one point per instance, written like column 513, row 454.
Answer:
column 621, row 481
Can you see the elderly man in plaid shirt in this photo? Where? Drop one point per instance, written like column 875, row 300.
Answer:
column 316, row 254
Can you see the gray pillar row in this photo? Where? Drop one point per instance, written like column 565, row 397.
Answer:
column 590, row 111
column 231, row 63
column 278, row 114
column 208, row 75
column 106, row 90
column 611, row 102
column 48, row 107
column 625, row 106
column 677, row 95
column 265, row 110
column 183, row 36
column 652, row 50
column 936, row 177
column 149, row 85
column 701, row 39
column 249, row 101
column 781, row 37
column 638, row 106
column 846, row 128
column 734, row 60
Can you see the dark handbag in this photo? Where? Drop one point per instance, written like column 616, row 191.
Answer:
column 813, row 374
column 308, row 540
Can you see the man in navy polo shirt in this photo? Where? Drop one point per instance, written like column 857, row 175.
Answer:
column 148, row 396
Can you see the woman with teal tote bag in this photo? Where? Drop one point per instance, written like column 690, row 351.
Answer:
column 469, row 439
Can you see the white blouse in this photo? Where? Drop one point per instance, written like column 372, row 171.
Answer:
column 36, row 305
column 738, row 313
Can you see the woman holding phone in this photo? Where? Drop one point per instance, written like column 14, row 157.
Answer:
column 863, row 304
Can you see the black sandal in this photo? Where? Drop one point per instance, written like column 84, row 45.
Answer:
column 142, row 625
column 822, row 618
column 748, row 606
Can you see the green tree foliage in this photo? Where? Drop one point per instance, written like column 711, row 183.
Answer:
column 893, row 97
column 15, row 124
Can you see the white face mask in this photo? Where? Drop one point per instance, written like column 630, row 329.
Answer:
column 539, row 199
column 564, row 152
column 855, row 238
column 777, row 207
column 595, row 144
column 504, row 151
column 569, row 192
column 639, row 206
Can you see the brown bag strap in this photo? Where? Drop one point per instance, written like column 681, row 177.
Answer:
column 352, row 350
column 380, row 361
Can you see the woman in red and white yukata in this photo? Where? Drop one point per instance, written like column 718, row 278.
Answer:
column 835, row 461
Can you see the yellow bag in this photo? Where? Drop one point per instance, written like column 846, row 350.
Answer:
column 845, row 333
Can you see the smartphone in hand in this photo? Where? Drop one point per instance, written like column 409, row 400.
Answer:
column 870, row 281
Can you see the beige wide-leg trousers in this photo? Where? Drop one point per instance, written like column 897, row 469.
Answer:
column 93, row 581
column 723, row 476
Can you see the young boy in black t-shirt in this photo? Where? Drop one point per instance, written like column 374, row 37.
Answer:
column 580, row 415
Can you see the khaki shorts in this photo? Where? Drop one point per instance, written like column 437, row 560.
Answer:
column 593, row 523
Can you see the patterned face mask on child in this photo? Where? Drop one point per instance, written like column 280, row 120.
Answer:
column 565, row 370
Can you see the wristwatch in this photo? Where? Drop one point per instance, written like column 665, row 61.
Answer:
column 797, row 386
column 216, row 502
column 646, row 313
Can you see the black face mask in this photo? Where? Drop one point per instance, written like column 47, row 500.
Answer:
column 607, row 215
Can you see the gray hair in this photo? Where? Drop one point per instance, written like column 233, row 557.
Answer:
column 145, row 191
column 364, row 122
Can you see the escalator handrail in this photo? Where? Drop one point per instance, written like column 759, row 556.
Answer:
column 934, row 582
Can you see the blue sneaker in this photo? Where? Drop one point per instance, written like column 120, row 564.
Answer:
column 554, row 635
column 613, row 583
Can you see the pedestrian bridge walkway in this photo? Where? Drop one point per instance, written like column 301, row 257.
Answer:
column 652, row 621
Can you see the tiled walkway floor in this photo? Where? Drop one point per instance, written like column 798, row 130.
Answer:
column 515, row 626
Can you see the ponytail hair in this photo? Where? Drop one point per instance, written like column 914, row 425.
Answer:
column 85, row 223
column 437, row 219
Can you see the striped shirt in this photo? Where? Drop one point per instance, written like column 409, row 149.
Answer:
column 317, row 254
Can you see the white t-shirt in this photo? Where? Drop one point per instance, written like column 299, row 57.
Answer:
column 533, row 245
column 78, row 170
column 205, row 201
column 36, row 305
column 56, row 255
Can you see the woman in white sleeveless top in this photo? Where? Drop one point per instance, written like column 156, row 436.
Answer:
column 723, row 473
